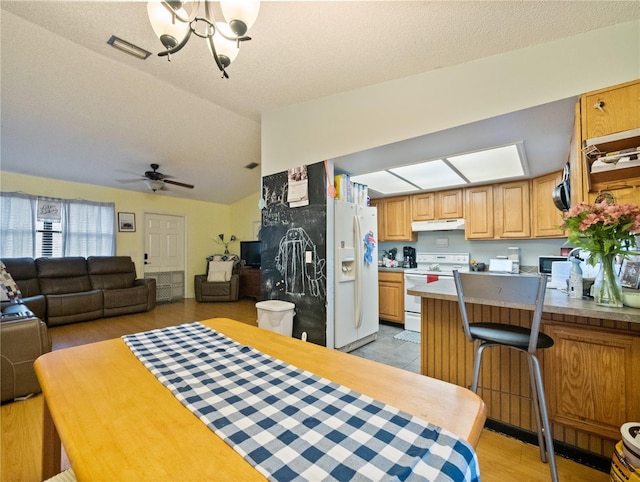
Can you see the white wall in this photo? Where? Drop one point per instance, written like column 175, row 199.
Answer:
column 392, row 111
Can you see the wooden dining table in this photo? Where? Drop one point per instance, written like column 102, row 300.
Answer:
column 116, row 421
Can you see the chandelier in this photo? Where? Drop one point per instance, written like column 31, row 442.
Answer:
column 174, row 21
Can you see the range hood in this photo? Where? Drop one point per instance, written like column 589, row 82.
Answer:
column 438, row 225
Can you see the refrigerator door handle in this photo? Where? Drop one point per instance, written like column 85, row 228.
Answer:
column 358, row 269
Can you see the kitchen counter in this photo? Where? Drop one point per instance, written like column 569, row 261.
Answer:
column 590, row 373
column 392, row 270
column 555, row 301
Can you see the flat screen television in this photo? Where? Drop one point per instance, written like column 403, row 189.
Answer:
column 250, row 253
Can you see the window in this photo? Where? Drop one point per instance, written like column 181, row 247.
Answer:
column 32, row 226
column 48, row 239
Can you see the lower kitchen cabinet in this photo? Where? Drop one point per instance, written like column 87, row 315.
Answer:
column 391, row 296
column 592, row 379
column 590, row 373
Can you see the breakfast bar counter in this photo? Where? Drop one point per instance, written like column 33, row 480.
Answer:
column 555, row 302
column 590, row 374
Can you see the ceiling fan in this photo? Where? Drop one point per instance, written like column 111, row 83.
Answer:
column 155, row 180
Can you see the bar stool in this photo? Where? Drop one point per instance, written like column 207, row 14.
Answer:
column 526, row 292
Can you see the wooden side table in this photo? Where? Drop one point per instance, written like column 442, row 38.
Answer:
column 251, row 282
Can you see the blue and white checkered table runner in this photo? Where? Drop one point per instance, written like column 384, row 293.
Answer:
column 291, row 424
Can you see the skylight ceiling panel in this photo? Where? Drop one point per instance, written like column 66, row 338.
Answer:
column 384, row 182
column 429, row 175
column 490, row 165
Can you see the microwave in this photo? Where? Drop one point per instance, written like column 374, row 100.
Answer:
column 544, row 263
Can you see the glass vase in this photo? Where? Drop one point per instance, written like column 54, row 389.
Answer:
column 607, row 288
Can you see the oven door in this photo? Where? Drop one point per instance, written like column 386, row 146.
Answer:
column 412, row 303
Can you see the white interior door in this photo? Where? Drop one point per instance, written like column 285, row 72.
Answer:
column 163, row 243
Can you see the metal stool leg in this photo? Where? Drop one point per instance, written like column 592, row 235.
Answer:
column 536, row 406
column 544, row 416
column 476, row 366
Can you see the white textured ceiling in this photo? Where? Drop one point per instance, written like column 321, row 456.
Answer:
column 74, row 108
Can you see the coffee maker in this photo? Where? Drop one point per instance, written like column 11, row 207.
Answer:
column 409, row 257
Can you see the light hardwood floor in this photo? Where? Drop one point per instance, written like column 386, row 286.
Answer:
column 501, row 458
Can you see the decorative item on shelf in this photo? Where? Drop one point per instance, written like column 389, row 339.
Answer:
column 606, row 231
column 220, row 240
column 174, row 21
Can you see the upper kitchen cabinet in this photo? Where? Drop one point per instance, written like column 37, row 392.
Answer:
column 478, row 208
column 511, row 204
column 545, row 216
column 500, row 211
column 611, row 110
column 449, row 204
column 423, row 206
column 437, row 205
column 394, row 218
column 610, row 130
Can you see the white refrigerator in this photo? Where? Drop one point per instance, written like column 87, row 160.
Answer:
column 356, row 319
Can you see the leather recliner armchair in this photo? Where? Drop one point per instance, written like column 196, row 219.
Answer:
column 23, row 338
column 211, row 291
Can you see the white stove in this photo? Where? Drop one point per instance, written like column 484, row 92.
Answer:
column 441, row 265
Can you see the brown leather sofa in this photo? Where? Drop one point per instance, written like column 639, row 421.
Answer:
column 25, row 274
column 77, row 289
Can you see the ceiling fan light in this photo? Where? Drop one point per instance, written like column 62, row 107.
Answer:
column 154, row 185
column 226, row 49
column 166, row 26
column 240, row 14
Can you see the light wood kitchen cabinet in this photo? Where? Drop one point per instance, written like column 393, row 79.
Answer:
column 592, row 379
column 478, row 208
column 427, row 206
column 423, row 206
column 545, row 216
column 499, row 211
column 394, row 218
column 511, row 217
column 449, row 204
column 590, row 373
column 391, row 296
column 610, row 121
column 611, row 110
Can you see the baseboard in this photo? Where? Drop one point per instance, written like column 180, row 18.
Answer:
column 581, row 456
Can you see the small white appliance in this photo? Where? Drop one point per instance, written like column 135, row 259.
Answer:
column 501, row 265
column 559, row 275
column 440, row 264
column 356, row 319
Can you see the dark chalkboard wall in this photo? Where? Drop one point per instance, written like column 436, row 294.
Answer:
column 294, row 251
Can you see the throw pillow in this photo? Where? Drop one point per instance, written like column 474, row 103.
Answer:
column 225, row 267
column 216, row 276
column 10, row 290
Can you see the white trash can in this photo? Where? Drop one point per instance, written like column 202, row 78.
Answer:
column 276, row 316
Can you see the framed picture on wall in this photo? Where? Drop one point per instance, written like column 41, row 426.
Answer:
column 127, row 222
